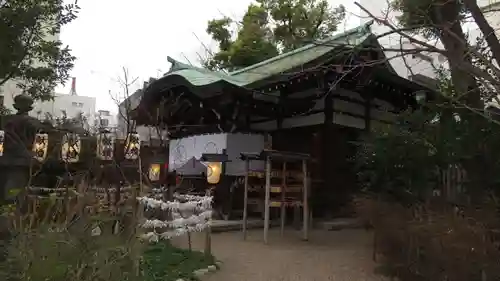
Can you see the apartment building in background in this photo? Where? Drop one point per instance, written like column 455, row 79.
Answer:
column 105, row 120
column 147, row 134
column 69, row 105
column 424, row 63
column 491, row 10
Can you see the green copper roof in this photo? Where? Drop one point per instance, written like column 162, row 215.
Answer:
column 303, row 55
column 199, row 76
column 203, row 82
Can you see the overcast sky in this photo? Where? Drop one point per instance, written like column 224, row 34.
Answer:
column 139, row 35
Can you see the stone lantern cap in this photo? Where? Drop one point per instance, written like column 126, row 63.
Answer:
column 23, row 103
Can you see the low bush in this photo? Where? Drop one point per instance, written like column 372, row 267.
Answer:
column 61, row 254
column 56, row 244
column 431, row 242
column 429, row 183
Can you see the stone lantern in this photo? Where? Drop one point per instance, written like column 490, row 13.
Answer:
column 20, row 131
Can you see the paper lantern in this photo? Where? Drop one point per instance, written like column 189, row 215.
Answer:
column 154, row 172
column 71, row 147
column 214, row 170
column 105, row 146
column 132, row 146
column 40, row 146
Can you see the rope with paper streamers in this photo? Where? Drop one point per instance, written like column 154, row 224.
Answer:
column 154, row 237
column 199, row 209
column 179, row 221
column 176, row 206
column 158, row 193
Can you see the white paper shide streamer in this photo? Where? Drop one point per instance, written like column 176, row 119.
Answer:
column 189, row 214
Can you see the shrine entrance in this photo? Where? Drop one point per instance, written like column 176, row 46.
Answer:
column 332, row 172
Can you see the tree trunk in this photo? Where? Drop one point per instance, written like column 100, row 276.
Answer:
column 485, row 27
column 446, row 19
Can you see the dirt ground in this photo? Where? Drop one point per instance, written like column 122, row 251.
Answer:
column 328, row 255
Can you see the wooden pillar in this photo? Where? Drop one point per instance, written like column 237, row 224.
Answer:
column 208, row 233
column 327, row 130
column 248, row 122
column 328, row 110
column 245, row 200
column 327, row 156
column 305, row 203
column 224, row 185
column 281, row 103
column 170, row 188
column 208, row 241
column 267, row 198
column 283, row 196
column 296, row 216
column 368, row 117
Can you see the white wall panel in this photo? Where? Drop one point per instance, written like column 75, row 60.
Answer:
column 238, row 143
column 182, row 150
column 185, row 153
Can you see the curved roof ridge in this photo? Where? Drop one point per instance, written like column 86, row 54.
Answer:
column 177, row 65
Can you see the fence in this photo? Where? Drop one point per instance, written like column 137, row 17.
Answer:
column 451, row 182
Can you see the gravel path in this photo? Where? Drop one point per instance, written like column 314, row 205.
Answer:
column 334, row 255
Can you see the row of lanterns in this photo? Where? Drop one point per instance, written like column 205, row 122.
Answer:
column 214, row 171
column 71, row 146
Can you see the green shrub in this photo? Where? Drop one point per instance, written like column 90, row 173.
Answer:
column 428, row 228
column 165, row 262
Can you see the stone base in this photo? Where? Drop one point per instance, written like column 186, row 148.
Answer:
column 237, row 225
column 339, row 224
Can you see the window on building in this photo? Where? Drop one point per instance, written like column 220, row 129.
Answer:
column 104, row 113
column 104, row 122
column 77, row 104
column 423, row 57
